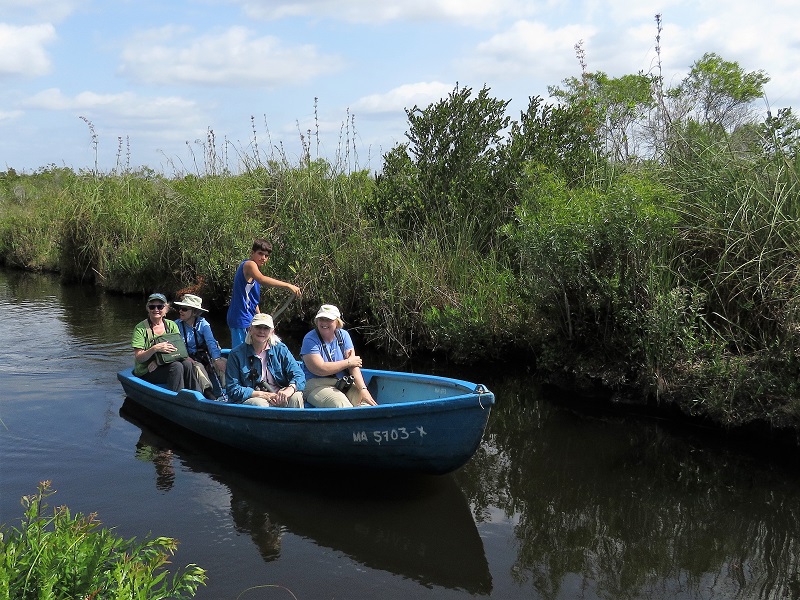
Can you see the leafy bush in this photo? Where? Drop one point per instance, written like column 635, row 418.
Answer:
column 587, row 253
column 67, row 556
column 448, row 178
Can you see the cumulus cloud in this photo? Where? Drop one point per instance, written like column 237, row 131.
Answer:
column 530, row 49
column 10, row 115
column 402, row 97
column 125, row 108
column 51, row 10
column 22, row 49
column 370, row 11
column 762, row 45
column 235, row 57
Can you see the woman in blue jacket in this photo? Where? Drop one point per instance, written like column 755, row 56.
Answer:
column 262, row 371
column 201, row 344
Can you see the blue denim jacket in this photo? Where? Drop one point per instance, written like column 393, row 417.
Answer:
column 199, row 337
column 240, row 378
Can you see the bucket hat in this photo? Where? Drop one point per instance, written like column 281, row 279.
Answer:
column 192, row 301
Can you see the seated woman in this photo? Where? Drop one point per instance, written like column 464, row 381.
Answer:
column 177, row 374
column 200, row 342
column 262, row 371
column 327, row 354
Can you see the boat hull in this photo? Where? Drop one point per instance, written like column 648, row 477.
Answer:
column 423, row 423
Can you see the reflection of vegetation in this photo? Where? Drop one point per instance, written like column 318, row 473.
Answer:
column 629, row 510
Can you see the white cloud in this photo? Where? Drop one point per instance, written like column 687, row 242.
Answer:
column 762, row 45
column 530, row 49
column 10, row 115
column 126, row 108
column 50, row 10
column 22, row 49
column 235, row 57
column 402, row 97
column 370, row 11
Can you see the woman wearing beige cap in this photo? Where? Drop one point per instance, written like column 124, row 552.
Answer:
column 262, row 371
column 332, row 368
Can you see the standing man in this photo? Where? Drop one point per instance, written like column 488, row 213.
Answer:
column 246, row 292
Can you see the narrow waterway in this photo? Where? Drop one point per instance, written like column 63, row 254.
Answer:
column 556, row 503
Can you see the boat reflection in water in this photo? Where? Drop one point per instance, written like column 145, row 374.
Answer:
column 418, row 527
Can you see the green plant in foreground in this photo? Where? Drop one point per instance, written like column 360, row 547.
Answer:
column 71, row 556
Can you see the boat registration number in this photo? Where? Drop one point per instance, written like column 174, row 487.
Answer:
column 385, row 436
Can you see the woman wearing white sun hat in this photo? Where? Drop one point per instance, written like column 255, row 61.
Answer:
column 328, row 357
column 201, row 343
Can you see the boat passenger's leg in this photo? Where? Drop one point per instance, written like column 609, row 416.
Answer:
column 257, row 401
column 190, row 380
column 237, row 336
column 296, row 400
column 175, row 375
column 320, row 392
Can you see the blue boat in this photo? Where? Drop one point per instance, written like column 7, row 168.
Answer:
column 422, row 423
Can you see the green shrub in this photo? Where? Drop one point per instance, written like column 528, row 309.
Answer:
column 67, row 556
column 586, row 253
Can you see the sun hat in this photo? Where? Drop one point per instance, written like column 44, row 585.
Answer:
column 192, row 301
column 157, row 296
column 262, row 319
column 329, row 311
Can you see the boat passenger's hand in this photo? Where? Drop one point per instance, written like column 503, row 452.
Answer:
column 354, row 361
column 285, row 393
column 277, row 399
column 295, row 290
column 367, row 399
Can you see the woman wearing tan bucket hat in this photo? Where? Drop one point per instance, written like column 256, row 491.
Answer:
column 202, row 345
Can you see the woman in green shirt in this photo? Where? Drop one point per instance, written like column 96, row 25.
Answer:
column 175, row 375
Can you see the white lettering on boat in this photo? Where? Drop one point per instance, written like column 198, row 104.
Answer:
column 386, row 436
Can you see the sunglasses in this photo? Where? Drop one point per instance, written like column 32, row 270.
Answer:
column 155, row 307
column 184, row 309
column 262, row 327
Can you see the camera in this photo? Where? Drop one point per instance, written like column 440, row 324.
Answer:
column 343, row 383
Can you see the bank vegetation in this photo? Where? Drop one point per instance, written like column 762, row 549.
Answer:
column 625, row 236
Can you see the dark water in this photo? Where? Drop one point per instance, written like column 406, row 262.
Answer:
column 556, row 504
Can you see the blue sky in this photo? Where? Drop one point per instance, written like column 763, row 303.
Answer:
column 159, row 75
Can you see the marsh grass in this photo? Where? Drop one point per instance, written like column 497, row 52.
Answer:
column 737, row 248
column 674, row 279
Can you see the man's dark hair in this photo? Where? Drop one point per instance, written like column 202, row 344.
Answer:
column 262, row 245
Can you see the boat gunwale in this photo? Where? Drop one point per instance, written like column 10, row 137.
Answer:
column 193, row 401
